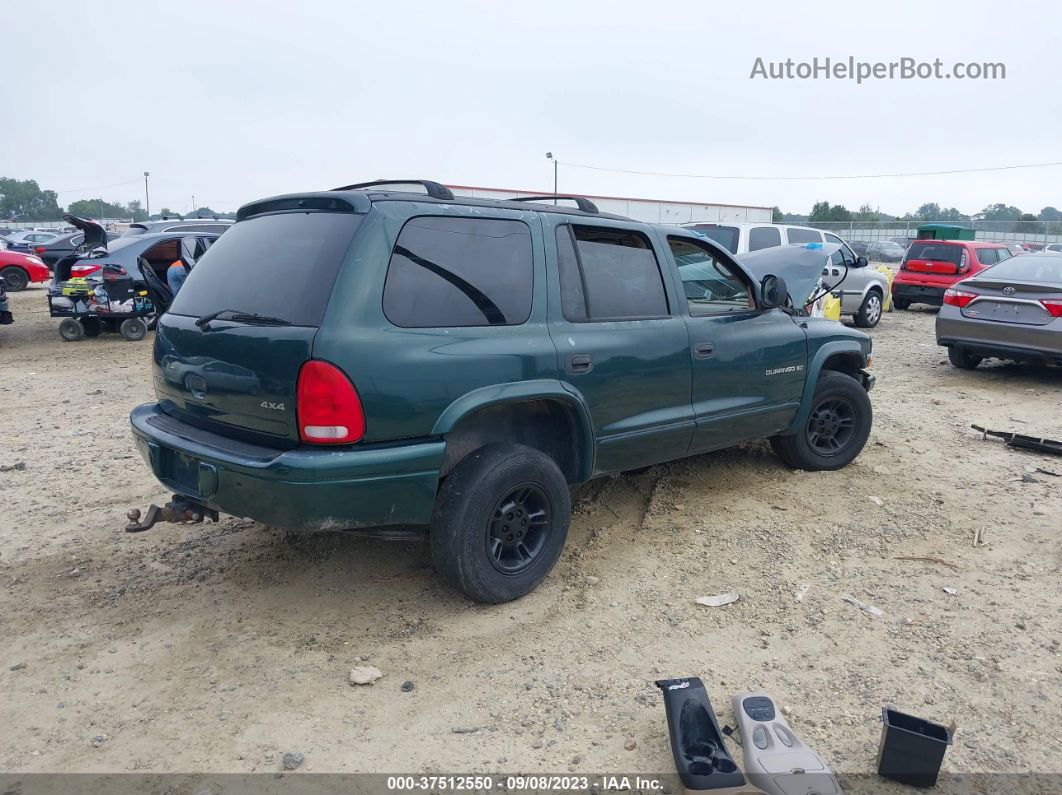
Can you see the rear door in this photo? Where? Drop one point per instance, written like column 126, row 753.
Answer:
column 619, row 345
column 748, row 363
column 270, row 278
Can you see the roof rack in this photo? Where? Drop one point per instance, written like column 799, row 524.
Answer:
column 434, row 189
column 583, row 204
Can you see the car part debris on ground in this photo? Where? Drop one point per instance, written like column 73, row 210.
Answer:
column 866, row 608
column 1038, row 444
column 911, row 749
column 719, row 600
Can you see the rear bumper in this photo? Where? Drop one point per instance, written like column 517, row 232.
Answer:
column 308, row 488
column 1000, row 340
column 918, row 293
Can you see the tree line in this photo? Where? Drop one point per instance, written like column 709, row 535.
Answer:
column 1004, row 217
column 25, row 201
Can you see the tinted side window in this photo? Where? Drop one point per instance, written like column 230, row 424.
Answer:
column 764, row 237
column 803, row 235
column 987, row 256
column 573, row 296
column 709, row 283
column 620, row 275
column 459, row 272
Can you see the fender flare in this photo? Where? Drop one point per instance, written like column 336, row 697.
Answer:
column 522, row 391
column 815, row 369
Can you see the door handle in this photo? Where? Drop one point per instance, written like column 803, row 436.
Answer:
column 580, row 363
column 703, row 350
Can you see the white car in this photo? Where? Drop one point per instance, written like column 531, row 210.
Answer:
column 863, row 290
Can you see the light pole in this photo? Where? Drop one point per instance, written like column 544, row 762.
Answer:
column 147, row 198
column 549, row 156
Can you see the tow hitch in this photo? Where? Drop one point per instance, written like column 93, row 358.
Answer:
column 178, row 509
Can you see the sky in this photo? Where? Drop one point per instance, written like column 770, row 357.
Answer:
column 233, row 101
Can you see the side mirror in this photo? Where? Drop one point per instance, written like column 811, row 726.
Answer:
column 861, row 262
column 773, row 292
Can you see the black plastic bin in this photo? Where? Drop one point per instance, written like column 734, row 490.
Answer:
column 911, row 749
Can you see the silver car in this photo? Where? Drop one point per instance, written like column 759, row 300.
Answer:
column 1012, row 310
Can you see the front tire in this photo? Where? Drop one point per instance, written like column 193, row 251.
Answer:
column 14, row 278
column 836, row 429
column 500, row 522
column 963, row 359
column 869, row 313
column 70, row 330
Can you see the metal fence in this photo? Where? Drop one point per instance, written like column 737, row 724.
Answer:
column 1036, row 233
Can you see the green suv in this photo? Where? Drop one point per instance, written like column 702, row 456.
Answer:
column 374, row 356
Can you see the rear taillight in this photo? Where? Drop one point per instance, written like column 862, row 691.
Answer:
column 329, row 409
column 1053, row 306
column 39, row 250
column 959, row 298
column 83, row 270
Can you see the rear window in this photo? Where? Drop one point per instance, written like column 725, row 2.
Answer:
column 1027, row 268
column 281, row 265
column 725, row 236
column 803, row 235
column 764, row 237
column 455, row 272
column 935, row 252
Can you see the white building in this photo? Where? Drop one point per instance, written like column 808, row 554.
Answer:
column 654, row 211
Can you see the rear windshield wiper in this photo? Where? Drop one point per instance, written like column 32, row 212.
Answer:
column 242, row 317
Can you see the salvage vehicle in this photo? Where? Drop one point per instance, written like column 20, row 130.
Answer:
column 1010, row 311
column 18, row 271
column 865, row 291
column 885, row 251
column 458, row 364
column 6, row 318
column 932, row 266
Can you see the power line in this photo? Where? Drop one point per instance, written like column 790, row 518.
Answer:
column 816, row 177
column 100, row 187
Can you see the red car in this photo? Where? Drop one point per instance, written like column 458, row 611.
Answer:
column 18, row 270
column 932, row 266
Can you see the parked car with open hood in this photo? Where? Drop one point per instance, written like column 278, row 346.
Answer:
column 865, row 289
column 932, row 266
column 457, row 364
column 63, row 246
column 1012, row 310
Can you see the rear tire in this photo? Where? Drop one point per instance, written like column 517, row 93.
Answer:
column 133, row 329
column 70, row 330
column 900, row 303
column 964, row 360
column 500, row 521
column 14, row 278
column 869, row 314
column 836, row 429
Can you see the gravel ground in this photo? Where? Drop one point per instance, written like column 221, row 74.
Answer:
column 221, row 647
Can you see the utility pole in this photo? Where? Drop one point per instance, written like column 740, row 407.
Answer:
column 549, row 156
column 193, row 206
column 147, row 198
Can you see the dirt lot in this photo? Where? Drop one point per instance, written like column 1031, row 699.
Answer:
column 220, row 647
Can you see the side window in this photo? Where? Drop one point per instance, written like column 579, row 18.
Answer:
column 832, row 238
column 448, row 271
column 802, row 235
column 1004, row 253
column 613, row 271
column 764, row 237
column 711, row 286
column 987, row 256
